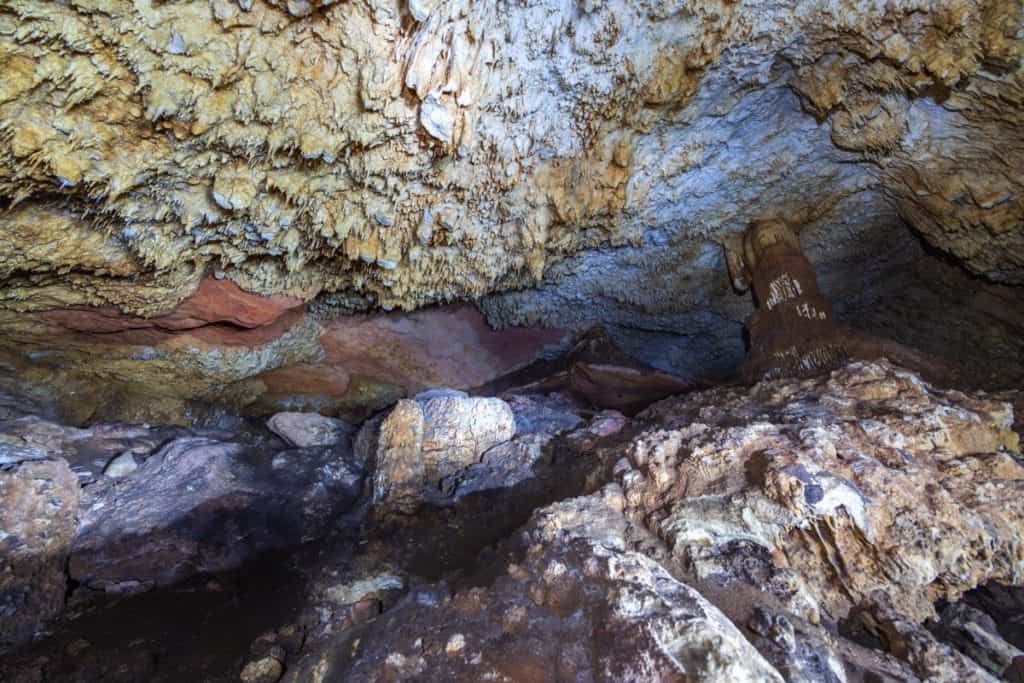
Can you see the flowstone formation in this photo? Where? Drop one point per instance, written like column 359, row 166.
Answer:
column 392, row 155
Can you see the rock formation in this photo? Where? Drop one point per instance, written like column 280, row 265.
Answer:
column 38, row 501
column 837, row 527
column 396, row 341
column 395, row 155
column 793, row 332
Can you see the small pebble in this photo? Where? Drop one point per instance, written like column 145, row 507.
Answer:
column 266, row 670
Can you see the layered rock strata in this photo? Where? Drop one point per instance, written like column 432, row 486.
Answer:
column 397, row 155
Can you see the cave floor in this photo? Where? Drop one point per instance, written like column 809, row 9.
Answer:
column 200, row 629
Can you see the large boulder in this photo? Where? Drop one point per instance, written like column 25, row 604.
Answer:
column 578, row 606
column 421, row 442
column 38, row 502
column 538, row 419
column 203, row 505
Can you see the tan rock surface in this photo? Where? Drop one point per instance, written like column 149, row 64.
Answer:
column 865, row 491
column 38, row 504
column 422, row 152
column 820, row 521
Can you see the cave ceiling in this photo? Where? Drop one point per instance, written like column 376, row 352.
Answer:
column 560, row 164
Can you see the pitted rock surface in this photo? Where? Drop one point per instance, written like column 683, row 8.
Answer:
column 799, row 529
column 38, row 504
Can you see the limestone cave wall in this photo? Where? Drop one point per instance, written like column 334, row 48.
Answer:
column 559, row 163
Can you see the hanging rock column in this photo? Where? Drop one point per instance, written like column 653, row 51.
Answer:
column 792, row 333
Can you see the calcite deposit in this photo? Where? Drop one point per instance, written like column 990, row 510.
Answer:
column 801, row 530
column 392, row 155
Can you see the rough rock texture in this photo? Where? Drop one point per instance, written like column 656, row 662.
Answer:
column 865, row 491
column 579, row 606
column 302, row 430
column 204, row 505
column 860, row 525
column 38, row 502
column 391, row 154
column 376, row 155
column 538, row 419
column 422, row 442
column 800, row 530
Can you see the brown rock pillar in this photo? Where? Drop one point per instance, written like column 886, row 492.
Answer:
column 792, row 333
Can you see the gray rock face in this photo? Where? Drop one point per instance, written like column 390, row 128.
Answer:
column 38, row 502
column 457, row 431
column 202, row 505
column 545, row 415
column 88, row 451
column 303, row 430
column 444, row 445
column 538, row 419
column 976, row 634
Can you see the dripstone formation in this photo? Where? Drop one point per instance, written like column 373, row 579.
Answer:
column 792, row 333
column 562, row 164
column 409, row 340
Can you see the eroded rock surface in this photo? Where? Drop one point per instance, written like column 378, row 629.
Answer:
column 393, row 155
column 578, row 606
column 865, row 490
column 255, row 355
column 370, row 147
column 205, row 505
column 38, row 504
column 857, row 525
column 797, row 530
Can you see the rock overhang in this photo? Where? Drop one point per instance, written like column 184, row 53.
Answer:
column 594, row 163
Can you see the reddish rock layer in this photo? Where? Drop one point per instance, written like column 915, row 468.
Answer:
column 226, row 344
column 446, row 346
column 214, row 301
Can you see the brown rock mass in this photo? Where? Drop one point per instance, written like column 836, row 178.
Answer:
column 393, row 155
